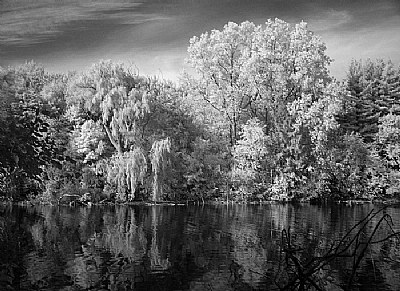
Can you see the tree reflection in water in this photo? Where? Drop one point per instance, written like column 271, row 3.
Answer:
column 175, row 248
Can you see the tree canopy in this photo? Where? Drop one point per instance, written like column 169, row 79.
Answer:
column 259, row 117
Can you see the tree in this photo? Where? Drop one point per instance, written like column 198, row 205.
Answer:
column 276, row 73
column 127, row 171
column 387, row 152
column 254, row 71
column 219, row 58
column 249, row 154
column 118, row 118
column 107, row 105
column 349, row 168
column 159, row 159
column 116, row 98
column 373, row 89
column 370, row 109
column 25, row 143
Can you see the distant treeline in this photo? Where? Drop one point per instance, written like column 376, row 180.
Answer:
column 259, row 118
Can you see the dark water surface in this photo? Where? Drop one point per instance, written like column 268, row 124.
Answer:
column 177, row 247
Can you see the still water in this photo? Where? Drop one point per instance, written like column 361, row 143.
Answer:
column 233, row 247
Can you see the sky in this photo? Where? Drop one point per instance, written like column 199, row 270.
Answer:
column 153, row 35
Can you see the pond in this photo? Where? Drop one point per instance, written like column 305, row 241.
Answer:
column 211, row 247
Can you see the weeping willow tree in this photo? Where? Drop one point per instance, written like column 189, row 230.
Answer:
column 116, row 98
column 126, row 171
column 159, row 159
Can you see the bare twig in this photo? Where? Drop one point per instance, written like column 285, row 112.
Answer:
column 302, row 274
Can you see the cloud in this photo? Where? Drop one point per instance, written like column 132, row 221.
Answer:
column 330, row 19
column 27, row 22
column 374, row 42
column 72, row 34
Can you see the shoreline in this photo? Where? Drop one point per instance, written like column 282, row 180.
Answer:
column 352, row 202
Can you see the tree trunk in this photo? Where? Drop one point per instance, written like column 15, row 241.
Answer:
column 114, row 142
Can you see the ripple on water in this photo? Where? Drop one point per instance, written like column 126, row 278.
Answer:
column 180, row 248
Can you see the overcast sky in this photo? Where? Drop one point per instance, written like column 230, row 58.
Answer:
column 154, row 34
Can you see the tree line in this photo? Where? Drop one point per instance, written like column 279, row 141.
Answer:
column 260, row 117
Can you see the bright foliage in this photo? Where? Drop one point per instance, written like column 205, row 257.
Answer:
column 259, row 118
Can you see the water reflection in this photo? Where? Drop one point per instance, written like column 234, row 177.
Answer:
column 176, row 248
